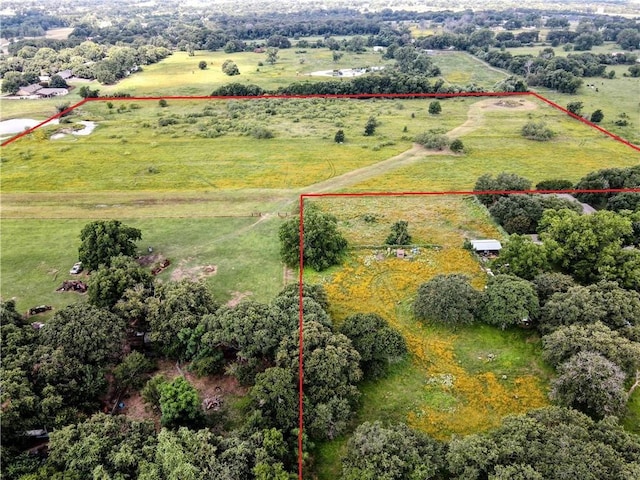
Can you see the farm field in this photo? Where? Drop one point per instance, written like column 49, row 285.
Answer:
column 459, row 68
column 614, row 96
column 474, row 376
column 179, row 74
column 193, row 146
column 210, row 194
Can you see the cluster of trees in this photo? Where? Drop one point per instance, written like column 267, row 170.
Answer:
column 611, row 178
column 560, row 73
column 376, row 83
column 57, row 376
column 519, row 213
column 579, row 286
column 591, row 333
column 88, row 59
column 522, row 447
column 30, row 23
column 589, row 247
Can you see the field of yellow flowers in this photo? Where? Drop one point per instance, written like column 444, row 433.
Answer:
column 468, row 379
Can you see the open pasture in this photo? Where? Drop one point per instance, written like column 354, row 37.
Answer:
column 493, row 144
column 188, row 145
column 460, row 68
column 236, row 256
column 179, row 74
column 454, row 382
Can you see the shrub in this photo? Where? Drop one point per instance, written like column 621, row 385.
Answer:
column 230, row 68
column 202, row 65
column 435, row 108
column 537, row 131
column 597, row 116
column 554, row 184
column 261, row 133
column 162, row 102
column 575, row 107
column 370, row 127
column 339, row 137
column 164, row 122
column 457, row 146
column 432, row 140
column 399, row 234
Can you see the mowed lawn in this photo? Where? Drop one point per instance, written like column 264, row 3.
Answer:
column 36, row 256
column 179, row 74
column 460, row 68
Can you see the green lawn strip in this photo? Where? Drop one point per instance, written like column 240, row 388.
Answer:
column 122, row 204
column 36, row 256
column 327, row 459
column 459, row 68
column 631, row 420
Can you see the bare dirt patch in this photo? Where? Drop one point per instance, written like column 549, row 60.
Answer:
column 475, row 114
column 148, row 260
column 183, row 271
column 221, row 386
column 237, row 297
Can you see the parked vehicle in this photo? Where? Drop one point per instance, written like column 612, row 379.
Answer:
column 77, row 268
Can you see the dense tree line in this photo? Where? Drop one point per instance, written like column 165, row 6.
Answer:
column 127, row 44
column 559, row 73
column 376, row 83
column 85, row 60
column 30, row 23
column 611, row 178
column 60, row 375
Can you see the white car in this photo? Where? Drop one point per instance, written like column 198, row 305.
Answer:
column 77, row 268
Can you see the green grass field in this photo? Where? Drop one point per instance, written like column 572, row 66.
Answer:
column 37, row 255
column 179, row 74
column 193, row 185
column 460, row 68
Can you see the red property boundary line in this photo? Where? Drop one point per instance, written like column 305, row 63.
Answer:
column 305, row 196
column 369, row 194
column 335, row 96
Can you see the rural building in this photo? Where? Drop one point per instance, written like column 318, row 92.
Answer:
column 486, row 247
column 65, row 74
column 51, row 92
column 29, row 90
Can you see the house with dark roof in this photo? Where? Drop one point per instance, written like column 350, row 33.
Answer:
column 29, row 90
column 65, row 74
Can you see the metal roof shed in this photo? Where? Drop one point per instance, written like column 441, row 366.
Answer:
column 486, row 245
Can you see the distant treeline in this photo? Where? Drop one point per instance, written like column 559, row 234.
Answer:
column 379, row 83
column 193, row 29
column 30, row 24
